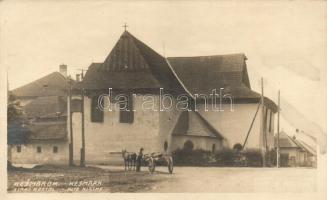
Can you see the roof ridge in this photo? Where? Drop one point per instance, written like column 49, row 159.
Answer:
column 138, row 48
column 30, row 83
column 213, row 55
column 291, row 139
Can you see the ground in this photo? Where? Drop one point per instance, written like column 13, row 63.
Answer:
column 184, row 179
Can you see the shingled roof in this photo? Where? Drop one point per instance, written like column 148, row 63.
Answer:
column 54, row 130
column 285, row 141
column 131, row 65
column 47, row 106
column 203, row 74
column 53, row 84
column 219, row 71
column 191, row 123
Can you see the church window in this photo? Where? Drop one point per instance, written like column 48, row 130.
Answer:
column 213, row 149
column 55, row 149
column 38, row 149
column 126, row 114
column 96, row 112
column 237, row 147
column 188, row 145
column 165, row 145
column 19, row 149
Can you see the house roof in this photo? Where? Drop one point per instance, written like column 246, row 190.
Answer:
column 307, row 147
column 191, row 123
column 203, row 74
column 303, row 145
column 219, row 71
column 46, row 106
column 131, row 65
column 54, row 130
column 285, row 141
column 53, row 84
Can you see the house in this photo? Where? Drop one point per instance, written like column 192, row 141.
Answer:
column 294, row 152
column 44, row 103
column 138, row 99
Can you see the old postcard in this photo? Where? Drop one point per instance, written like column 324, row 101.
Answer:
column 158, row 97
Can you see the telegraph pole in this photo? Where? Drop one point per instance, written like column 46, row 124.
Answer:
column 71, row 147
column 82, row 161
column 263, row 127
column 278, row 153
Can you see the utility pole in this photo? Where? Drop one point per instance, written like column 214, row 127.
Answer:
column 263, row 126
column 278, row 153
column 71, row 147
column 82, row 161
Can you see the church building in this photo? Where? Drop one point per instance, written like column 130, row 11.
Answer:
column 137, row 99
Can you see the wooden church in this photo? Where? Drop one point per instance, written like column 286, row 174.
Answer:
column 135, row 71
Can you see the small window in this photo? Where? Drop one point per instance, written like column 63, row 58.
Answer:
column 165, row 145
column 127, row 115
column 38, row 149
column 213, row 149
column 55, row 149
column 96, row 112
column 19, row 149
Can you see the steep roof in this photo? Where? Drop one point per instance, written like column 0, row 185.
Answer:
column 131, row 64
column 219, row 71
column 53, row 84
column 203, row 74
column 46, row 106
column 191, row 123
column 307, row 147
column 54, row 130
column 285, row 141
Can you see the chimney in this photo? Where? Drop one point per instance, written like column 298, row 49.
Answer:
column 78, row 77
column 63, row 70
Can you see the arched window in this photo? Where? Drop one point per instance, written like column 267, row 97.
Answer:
column 188, row 145
column 165, row 145
column 237, row 147
column 213, row 149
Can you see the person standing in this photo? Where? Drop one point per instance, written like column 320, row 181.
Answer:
column 139, row 160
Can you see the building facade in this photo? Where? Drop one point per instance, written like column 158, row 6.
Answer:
column 44, row 103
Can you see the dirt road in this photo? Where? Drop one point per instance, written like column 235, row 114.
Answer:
column 184, row 179
column 213, row 179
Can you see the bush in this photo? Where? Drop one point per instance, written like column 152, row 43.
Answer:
column 186, row 157
column 224, row 157
column 253, row 158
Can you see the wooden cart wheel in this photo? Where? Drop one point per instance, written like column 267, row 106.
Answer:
column 151, row 165
column 170, row 164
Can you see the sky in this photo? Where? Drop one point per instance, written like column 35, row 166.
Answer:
column 285, row 42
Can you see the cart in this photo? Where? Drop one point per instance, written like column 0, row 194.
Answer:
column 154, row 158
